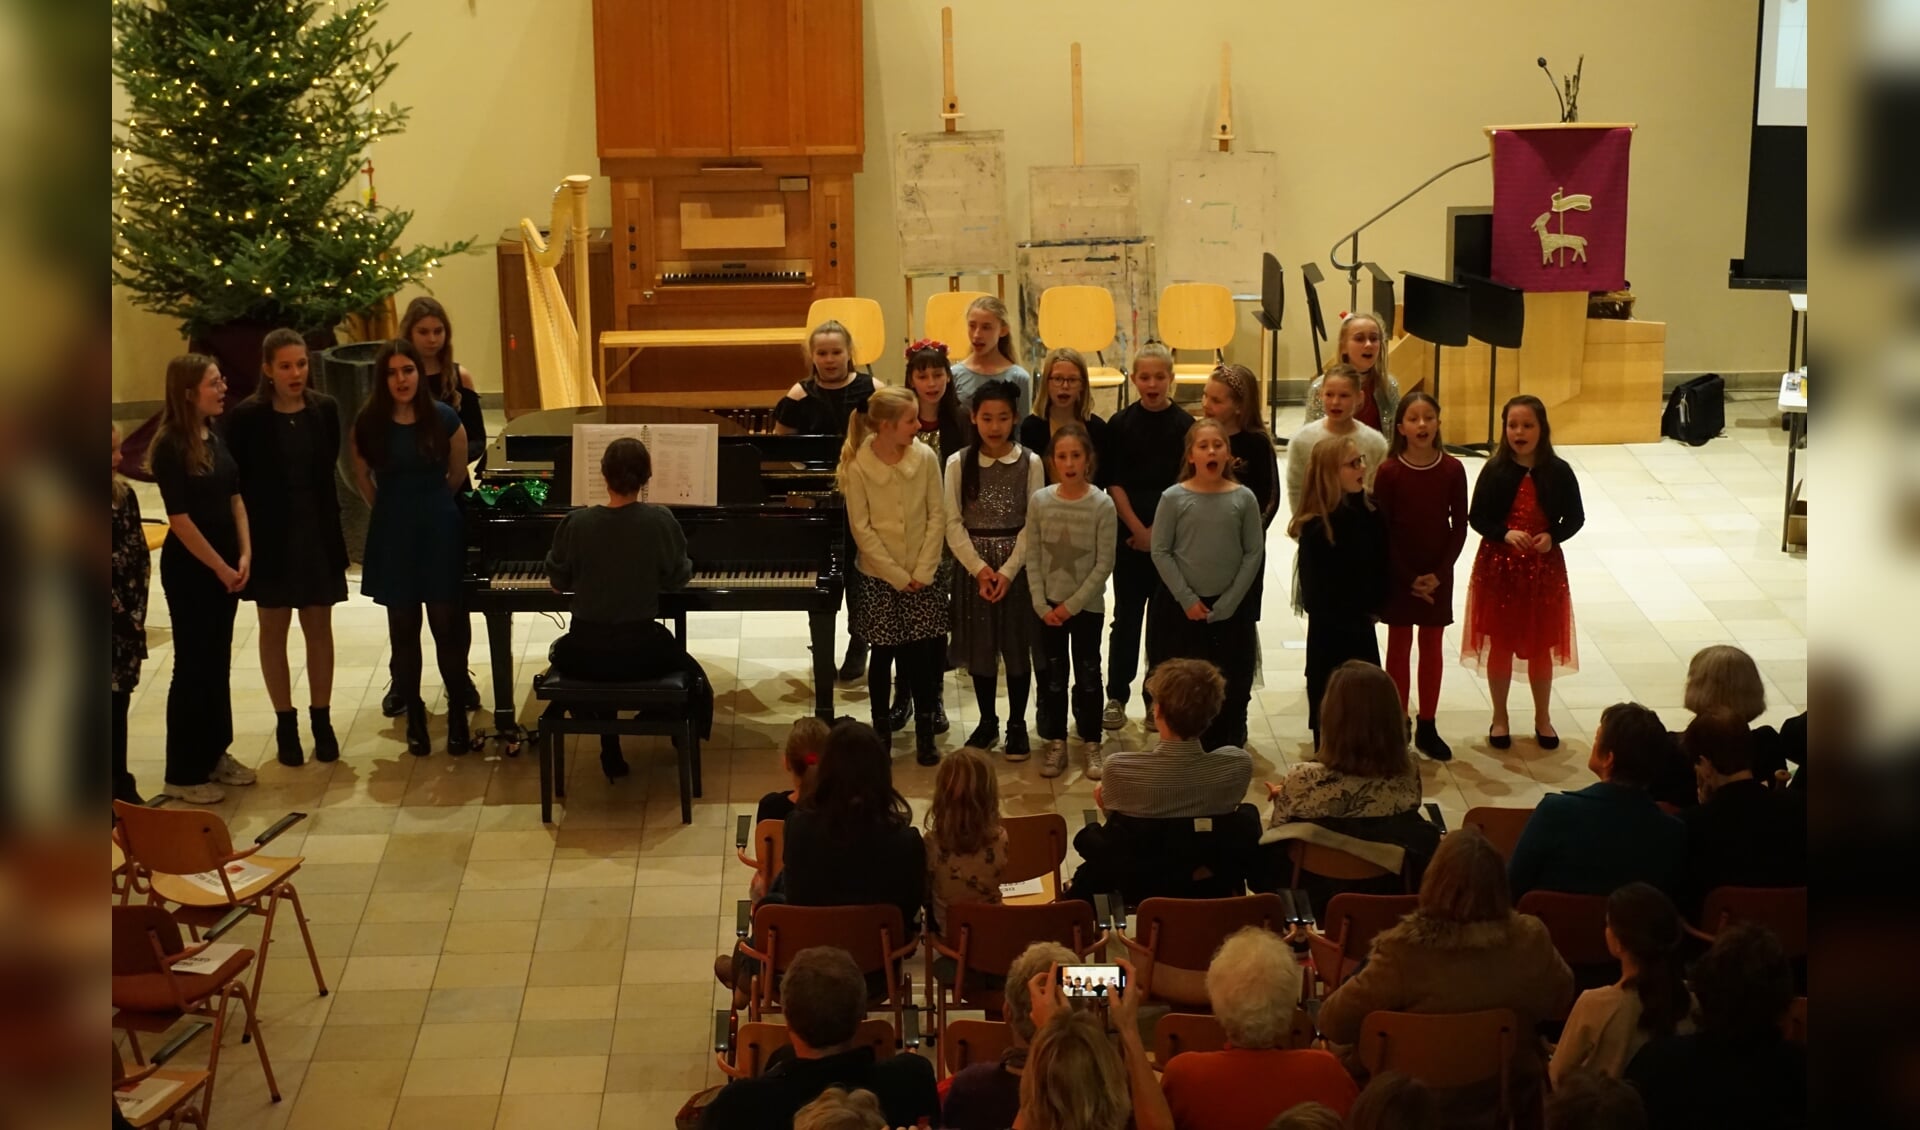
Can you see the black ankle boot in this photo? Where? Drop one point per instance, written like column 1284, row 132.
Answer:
column 855, row 664
column 900, row 715
column 985, row 734
column 286, row 738
column 418, row 744
column 1426, row 739
column 1017, row 747
column 882, row 724
column 923, row 751
column 326, row 747
column 459, row 738
column 940, row 723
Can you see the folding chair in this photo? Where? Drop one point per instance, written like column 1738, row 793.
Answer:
column 154, row 1093
column 767, row 840
column 1196, row 316
column 1501, row 826
column 1036, row 849
column 871, row 935
column 1444, row 1049
column 745, row 1050
column 1181, row 936
column 945, row 320
column 149, row 996
column 981, row 940
column 964, row 1043
column 863, row 319
column 1082, row 318
column 1350, row 924
column 186, row 857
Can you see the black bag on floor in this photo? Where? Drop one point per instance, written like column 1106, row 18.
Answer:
column 1696, row 410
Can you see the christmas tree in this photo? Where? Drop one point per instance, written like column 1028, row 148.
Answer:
column 249, row 120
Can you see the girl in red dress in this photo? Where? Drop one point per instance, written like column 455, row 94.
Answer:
column 1519, row 609
column 1422, row 494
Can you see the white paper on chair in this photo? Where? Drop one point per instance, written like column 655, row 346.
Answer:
column 137, row 1100
column 1023, row 887
column 240, row 873
column 207, row 960
column 686, row 462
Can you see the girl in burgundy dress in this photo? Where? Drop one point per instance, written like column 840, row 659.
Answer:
column 1519, row 609
column 1422, row 494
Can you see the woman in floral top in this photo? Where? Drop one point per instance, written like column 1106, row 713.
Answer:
column 1363, row 767
column 132, row 567
column 966, row 843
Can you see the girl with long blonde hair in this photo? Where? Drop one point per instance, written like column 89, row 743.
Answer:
column 1342, row 565
column 966, row 844
column 1362, row 344
column 993, row 357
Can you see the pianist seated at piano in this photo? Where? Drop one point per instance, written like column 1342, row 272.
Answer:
column 616, row 560
column 821, row 404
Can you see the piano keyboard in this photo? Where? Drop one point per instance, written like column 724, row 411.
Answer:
column 520, row 576
column 517, row 576
column 726, row 277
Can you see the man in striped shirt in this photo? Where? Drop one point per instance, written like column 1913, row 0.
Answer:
column 1177, row 778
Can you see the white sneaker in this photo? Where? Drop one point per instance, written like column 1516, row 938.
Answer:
column 1053, row 758
column 1114, row 716
column 1096, row 760
column 208, row 793
column 231, row 772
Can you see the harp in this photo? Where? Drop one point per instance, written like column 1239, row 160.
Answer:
column 562, row 340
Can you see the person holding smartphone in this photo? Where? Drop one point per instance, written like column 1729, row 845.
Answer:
column 1070, row 1071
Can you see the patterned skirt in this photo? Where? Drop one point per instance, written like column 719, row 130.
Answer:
column 984, row 632
column 887, row 617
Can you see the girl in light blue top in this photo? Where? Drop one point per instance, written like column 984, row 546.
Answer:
column 1208, row 546
column 990, row 337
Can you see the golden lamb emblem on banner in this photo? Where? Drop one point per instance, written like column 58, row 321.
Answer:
column 1560, row 241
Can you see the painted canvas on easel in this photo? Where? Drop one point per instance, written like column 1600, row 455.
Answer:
column 1220, row 218
column 1083, row 202
column 950, row 203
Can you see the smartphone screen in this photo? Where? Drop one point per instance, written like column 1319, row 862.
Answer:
column 1092, row 982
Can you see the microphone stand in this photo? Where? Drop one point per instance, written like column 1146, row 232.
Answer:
column 1352, row 238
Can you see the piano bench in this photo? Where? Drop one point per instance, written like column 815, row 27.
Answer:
column 660, row 706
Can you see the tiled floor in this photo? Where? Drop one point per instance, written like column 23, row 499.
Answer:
column 491, row 971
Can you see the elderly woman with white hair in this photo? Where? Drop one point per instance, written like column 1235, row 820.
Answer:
column 1253, row 983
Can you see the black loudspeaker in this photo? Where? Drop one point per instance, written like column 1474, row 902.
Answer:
column 1497, row 316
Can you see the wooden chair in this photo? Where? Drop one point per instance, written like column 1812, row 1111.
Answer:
column 1349, row 927
column 170, row 847
column 863, row 319
column 874, row 936
column 1082, row 318
column 1179, row 1032
column 1780, row 909
column 983, row 939
column 1331, row 863
column 149, row 996
column 1444, row 1049
column 165, row 1094
column 749, row 1048
column 964, row 1043
column 1501, row 826
column 1196, row 316
column 1036, row 849
column 1181, row 935
column 1578, row 926
column 767, row 839
column 945, row 320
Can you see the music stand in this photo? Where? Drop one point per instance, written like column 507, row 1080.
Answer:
column 1382, row 301
column 1273, row 303
column 1311, row 278
column 1497, row 316
column 1439, row 312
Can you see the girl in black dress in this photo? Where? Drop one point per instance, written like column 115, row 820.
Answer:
column 206, row 561
column 285, row 440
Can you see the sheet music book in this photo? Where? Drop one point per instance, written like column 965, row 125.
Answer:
column 686, row 462
column 1023, row 887
column 207, row 960
column 241, row 873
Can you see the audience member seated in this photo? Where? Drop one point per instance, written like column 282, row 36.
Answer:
column 1608, row 1025
column 839, row 1109
column 1611, row 833
column 1253, row 984
column 1308, row 1116
column 1723, row 679
column 1736, row 1069
column 1743, row 834
column 986, row 1096
column 1074, row 1079
column 1177, row 778
column 805, row 741
column 966, row 844
column 850, row 843
column 1589, row 1100
column 1464, row 949
column 824, row 999
column 1392, row 1101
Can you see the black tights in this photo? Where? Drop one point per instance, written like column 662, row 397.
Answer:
column 986, row 686
column 450, row 634
column 920, row 661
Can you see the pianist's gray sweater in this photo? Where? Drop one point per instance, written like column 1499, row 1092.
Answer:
column 617, row 560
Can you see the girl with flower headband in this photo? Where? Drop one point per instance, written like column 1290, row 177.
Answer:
column 1065, row 395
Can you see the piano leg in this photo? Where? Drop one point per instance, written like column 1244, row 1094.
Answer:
column 500, row 650
column 821, row 623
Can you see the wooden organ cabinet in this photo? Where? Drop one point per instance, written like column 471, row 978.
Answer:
column 731, row 130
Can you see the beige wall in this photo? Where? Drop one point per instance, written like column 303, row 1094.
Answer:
column 1360, row 109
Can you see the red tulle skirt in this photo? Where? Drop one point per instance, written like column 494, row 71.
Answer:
column 1518, row 602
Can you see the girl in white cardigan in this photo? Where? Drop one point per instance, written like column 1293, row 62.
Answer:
column 897, row 517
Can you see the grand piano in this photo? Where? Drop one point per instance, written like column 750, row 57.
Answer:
column 774, row 543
